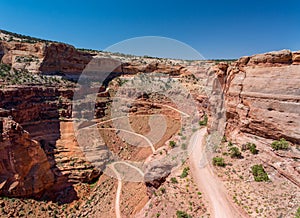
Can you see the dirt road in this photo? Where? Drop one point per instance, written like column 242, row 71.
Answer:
column 220, row 206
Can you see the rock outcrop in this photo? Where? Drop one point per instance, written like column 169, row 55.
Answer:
column 62, row 58
column 24, row 168
column 262, row 96
column 36, row 143
column 48, row 57
column 44, row 57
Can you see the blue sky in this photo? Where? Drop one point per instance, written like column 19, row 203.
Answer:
column 216, row 29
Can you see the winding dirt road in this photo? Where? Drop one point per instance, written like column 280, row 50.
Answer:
column 220, row 206
column 119, row 189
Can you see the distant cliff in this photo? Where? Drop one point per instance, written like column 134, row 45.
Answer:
column 262, row 95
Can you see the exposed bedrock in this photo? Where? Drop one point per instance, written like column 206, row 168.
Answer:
column 24, row 168
column 263, row 95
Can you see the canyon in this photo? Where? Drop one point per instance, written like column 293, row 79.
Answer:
column 62, row 157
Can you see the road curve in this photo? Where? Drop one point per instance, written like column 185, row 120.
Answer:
column 118, row 194
column 119, row 189
column 219, row 204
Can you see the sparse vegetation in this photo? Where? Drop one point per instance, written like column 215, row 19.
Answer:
column 224, row 139
column 23, row 38
column 162, row 190
column 218, row 161
column 298, row 213
column 235, row 152
column 224, row 60
column 172, row 144
column 259, row 173
column 183, row 146
column 185, row 172
column 9, row 76
column 251, row 147
column 203, row 122
column 174, row 180
column 282, row 144
column 121, row 81
column 182, row 214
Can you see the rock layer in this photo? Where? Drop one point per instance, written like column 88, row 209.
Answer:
column 24, row 168
column 263, row 95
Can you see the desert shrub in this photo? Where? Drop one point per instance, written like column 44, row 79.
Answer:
column 185, row 172
column 218, row 161
column 224, row 139
column 183, row 146
column 298, row 213
column 172, row 144
column 203, row 122
column 162, row 190
column 282, row 144
column 251, row 147
column 182, row 214
column 235, row 152
column 259, row 173
column 174, row 180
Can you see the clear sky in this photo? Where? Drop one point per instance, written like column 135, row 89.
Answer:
column 216, row 29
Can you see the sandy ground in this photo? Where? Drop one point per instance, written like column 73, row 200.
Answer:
column 208, row 182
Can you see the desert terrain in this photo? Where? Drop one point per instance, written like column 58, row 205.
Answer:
column 87, row 133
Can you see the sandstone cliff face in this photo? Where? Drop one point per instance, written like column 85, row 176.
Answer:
column 38, row 149
column 59, row 58
column 24, row 168
column 22, row 55
column 263, row 94
column 33, row 108
column 135, row 67
column 64, row 58
column 43, row 57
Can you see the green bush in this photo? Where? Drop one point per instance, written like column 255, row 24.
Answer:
column 230, row 144
column 182, row 214
column 204, row 121
column 251, row 147
column 298, row 213
column 185, row 172
column 172, row 144
column 162, row 190
column 218, row 161
column 259, row 173
column 224, row 139
column 282, row 144
column 174, row 180
column 235, row 152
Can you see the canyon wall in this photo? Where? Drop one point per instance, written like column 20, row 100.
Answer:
column 24, row 168
column 44, row 57
column 37, row 139
column 39, row 152
column 262, row 95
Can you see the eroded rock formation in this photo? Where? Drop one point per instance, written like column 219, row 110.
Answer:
column 262, row 96
column 24, row 167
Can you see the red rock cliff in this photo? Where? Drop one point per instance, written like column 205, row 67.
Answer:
column 262, row 95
